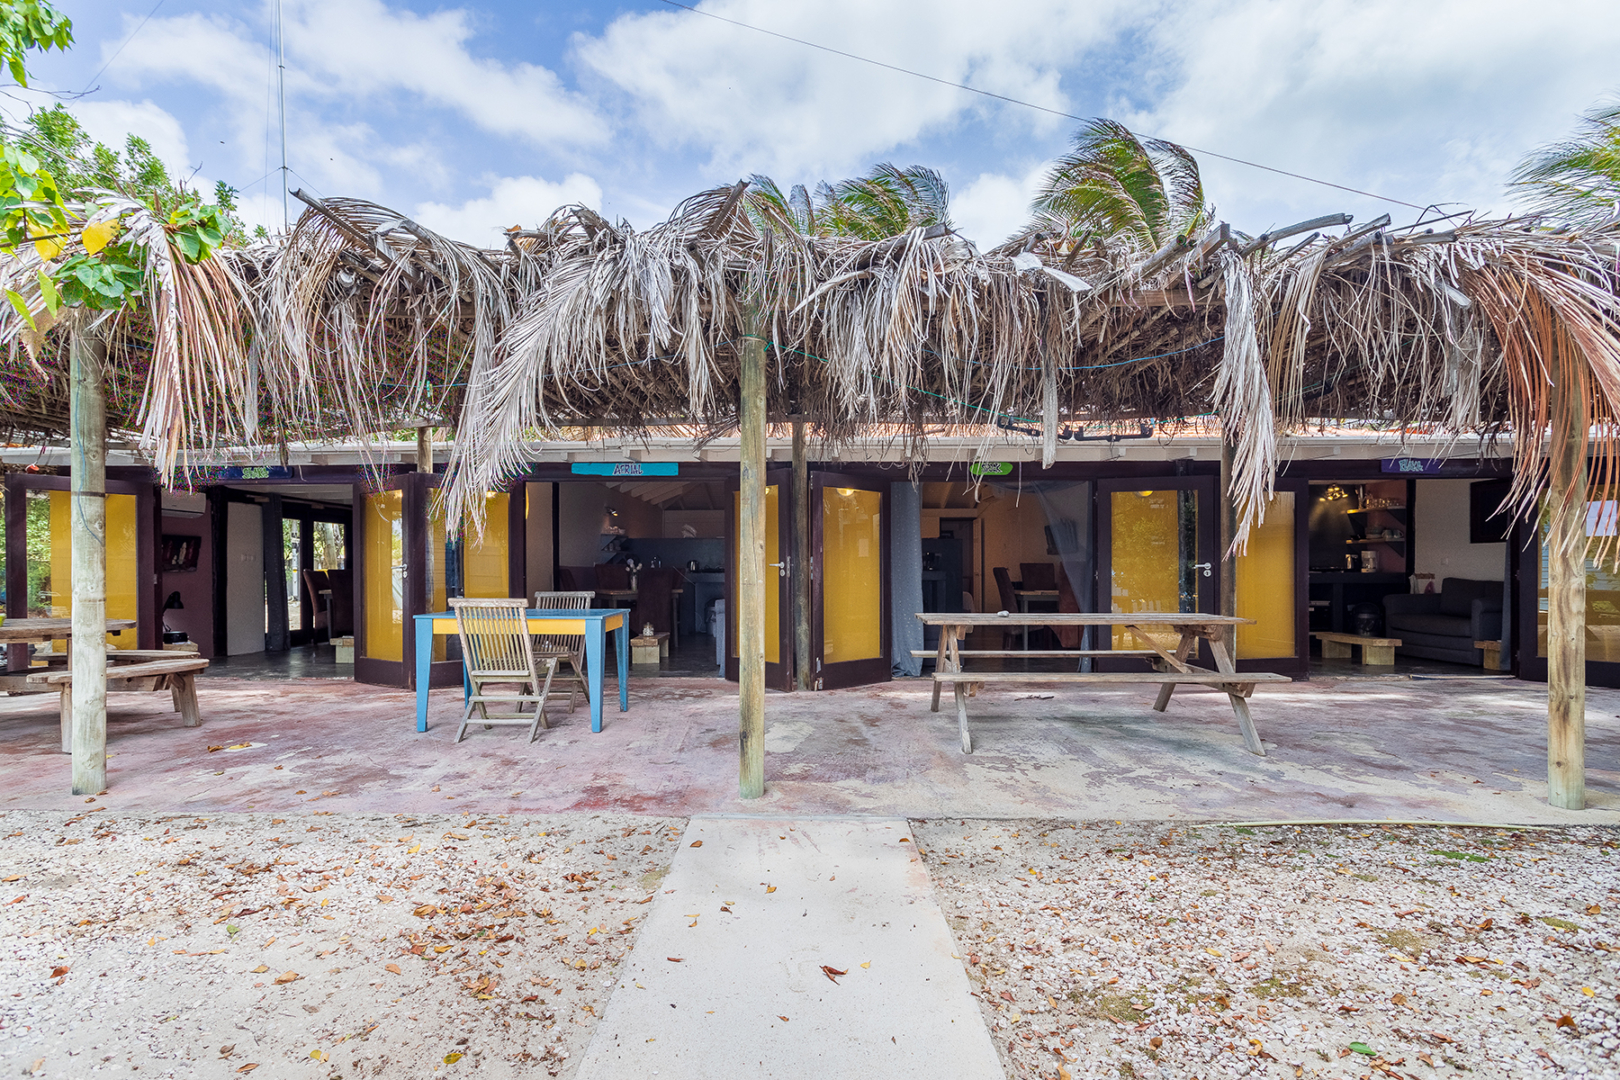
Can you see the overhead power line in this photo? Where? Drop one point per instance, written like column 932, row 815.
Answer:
column 122, row 46
column 1028, row 104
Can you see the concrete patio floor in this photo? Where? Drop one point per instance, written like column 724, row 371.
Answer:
column 1439, row 750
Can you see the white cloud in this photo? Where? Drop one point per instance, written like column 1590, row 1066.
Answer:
column 364, row 47
column 1422, row 102
column 113, row 122
column 513, row 200
column 994, row 205
column 757, row 103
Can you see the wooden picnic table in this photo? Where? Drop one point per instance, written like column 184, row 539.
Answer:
column 1171, row 667
column 38, row 632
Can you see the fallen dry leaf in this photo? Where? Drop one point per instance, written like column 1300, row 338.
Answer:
column 1566, row 1021
column 58, row 972
column 287, row 977
column 392, row 967
column 782, row 1018
column 676, row 959
column 695, row 843
column 770, row 888
column 261, row 969
column 830, row 972
column 1592, row 909
column 249, row 1067
column 452, row 1057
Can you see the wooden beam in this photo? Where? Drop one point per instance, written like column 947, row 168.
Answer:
column 1566, row 596
column 88, row 501
column 801, row 560
column 751, row 561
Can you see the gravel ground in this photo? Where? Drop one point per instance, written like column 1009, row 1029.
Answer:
column 319, row 945
column 1169, row 951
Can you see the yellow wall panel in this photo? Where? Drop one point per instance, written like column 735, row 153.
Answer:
column 773, row 604
column 382, row 556
column 852, row 575
column 1146, row 556
column 485, row 569
column 123, row 577
column 1265, row 584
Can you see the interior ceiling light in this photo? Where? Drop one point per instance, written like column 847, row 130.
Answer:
column 1334, row 493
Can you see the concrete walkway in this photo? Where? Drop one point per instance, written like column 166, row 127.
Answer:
column 730, row 971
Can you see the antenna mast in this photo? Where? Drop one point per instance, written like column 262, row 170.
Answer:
column 281, row 105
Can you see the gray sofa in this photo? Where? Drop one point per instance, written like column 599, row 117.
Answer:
column 1444, row 625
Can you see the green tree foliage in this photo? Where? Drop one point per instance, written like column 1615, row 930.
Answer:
column 53, row 182
column 887, row 201
column 1114, row 187
column 1576, row 181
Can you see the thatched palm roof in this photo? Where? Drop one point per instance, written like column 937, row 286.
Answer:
column 363, row 322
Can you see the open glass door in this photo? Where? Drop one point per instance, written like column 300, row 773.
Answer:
column 1155, row 552
column 778, row 596
column 849, row 631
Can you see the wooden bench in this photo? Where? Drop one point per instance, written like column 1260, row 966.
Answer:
column 134, row 669
column 1375, row 651
column 1171, row 665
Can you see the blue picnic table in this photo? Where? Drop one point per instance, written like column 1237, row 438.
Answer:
column 593, row 623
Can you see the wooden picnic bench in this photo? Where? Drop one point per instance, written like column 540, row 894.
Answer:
column 1171, row 666
column 134, row 669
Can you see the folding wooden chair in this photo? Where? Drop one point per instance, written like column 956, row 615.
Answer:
column 496, row 649
column 565, row 648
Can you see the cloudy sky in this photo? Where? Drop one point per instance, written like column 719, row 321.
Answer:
column 490, row 113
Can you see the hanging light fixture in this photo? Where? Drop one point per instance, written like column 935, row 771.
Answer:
column 1334, row 493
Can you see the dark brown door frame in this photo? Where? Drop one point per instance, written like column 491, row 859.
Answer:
column 778, row 676
column 148, row 601
column 1208, row 551
column 825, row 676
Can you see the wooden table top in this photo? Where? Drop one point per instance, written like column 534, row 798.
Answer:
column 1036, row 592
column 38, row 631
column 1083, row 618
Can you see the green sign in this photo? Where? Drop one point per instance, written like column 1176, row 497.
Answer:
column 991, row 468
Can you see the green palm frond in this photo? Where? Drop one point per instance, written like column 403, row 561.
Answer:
column 1577, row 180
column 887, row 201
column 1118, row 186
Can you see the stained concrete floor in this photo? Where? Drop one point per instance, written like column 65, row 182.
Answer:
column 1469, row 750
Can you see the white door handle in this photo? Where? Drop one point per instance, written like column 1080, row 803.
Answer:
column 1204, row 566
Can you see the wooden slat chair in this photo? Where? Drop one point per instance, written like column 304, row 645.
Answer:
column 496, row 649
column 565, row 648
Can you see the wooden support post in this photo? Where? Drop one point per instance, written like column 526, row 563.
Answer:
column 1566, row 598
column 751, row 561
column 87, row 355
column 424, row 449
column 804, row 677
column 1227, row 510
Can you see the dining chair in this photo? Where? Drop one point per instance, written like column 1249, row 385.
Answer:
column 565, row 648
column 496, row 651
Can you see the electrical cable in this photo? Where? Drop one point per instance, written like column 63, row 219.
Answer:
column 1031, row 104
column 122, row 46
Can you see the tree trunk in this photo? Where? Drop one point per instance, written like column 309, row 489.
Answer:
column 88, row 500
column 751, row 581
column 1566, row 599
column 801, row 560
